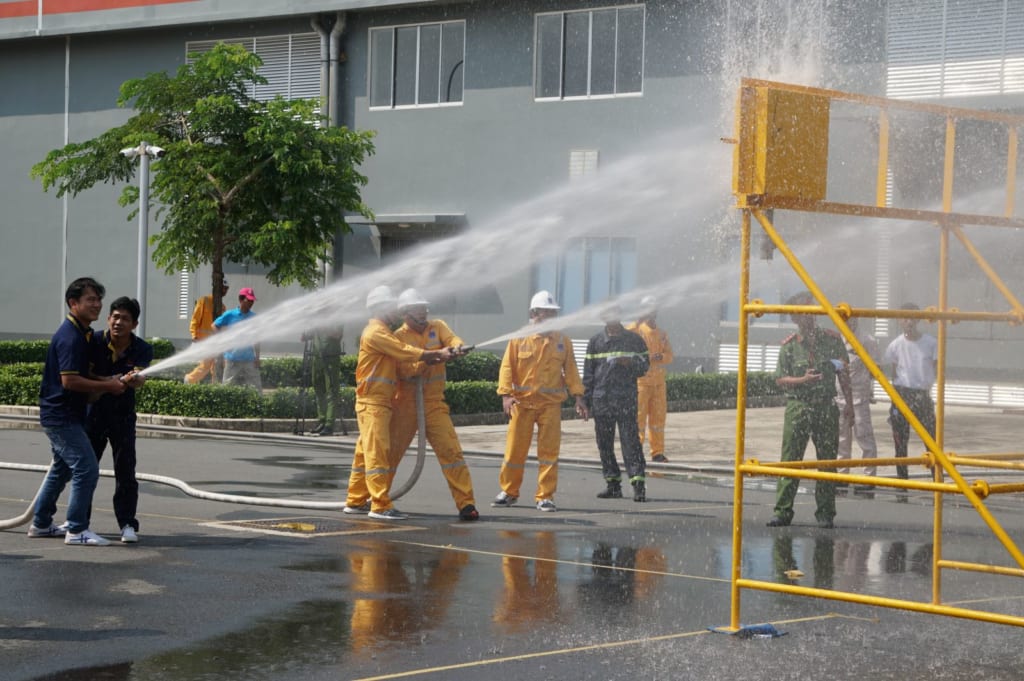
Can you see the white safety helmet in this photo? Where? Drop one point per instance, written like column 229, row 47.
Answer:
column 410, row 297
column 543, row 300
column 380, row 297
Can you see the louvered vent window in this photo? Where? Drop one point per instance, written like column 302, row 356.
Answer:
column 950, row 48
column 183, row 294
column 291, row 63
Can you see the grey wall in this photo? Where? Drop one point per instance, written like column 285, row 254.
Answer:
column 499, row 148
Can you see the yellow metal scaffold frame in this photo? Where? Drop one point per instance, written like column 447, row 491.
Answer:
column 781, row 164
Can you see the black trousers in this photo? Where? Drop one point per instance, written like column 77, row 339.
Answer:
column 921, row 405
column 629, row 438
column 120, row 433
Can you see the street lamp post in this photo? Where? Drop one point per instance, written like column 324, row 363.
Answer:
column 143, row 152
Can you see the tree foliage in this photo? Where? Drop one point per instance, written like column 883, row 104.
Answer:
column 243, row 180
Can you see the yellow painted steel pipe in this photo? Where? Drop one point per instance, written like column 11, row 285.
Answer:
column 979, row 487
column 991, row 273
column 993, row 456
column 846, row 310
column 916, row 606
column 935, row 217
column 741, row 415
column 981, row 567
column 987, row 463
column 889, row 104
column 852, row 463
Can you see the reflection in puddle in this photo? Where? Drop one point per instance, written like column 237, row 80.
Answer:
column 830, row 562
column 530, row 591
column 398, row 598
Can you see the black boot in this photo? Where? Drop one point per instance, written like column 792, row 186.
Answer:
column 639, row 491
column 614, row 491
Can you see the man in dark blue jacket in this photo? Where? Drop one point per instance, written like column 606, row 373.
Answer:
column 63, row 397
column 615, row 359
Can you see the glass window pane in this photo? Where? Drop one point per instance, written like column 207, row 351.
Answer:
column 405, row 65
column 629, row 67
column 570, row 289
column 546, row 274
column 381, row 52
column 577, row 53
column 602, row 53
column 599, row 271
column 623, row 266
column 430, row 60
column 549, row 56
column 453, row 41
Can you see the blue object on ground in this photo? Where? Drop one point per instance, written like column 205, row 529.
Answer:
column 765, row 630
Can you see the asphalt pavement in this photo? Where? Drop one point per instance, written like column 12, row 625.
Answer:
column 601, row 589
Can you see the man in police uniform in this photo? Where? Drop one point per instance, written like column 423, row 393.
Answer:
column 810, row 361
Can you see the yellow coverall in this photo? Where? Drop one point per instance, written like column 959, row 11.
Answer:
column 536, row 371
column 387, row 605
column 200, row 327
column 440, row 431
column 380, row 351
column 531, row 584
column 651, row 400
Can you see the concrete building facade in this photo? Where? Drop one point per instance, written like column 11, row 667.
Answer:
column 483, row 105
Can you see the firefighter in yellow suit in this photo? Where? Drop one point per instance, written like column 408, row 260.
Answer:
column 429, row 334
column 652, row 400
column 380, row 351
column 200, row 327
column 535, row 372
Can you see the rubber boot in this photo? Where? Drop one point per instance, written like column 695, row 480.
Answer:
column 614, row 491
column 639, row 491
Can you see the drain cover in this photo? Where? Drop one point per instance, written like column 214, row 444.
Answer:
column 309, row 526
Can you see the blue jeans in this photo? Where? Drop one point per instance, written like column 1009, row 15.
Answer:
column 74, row 460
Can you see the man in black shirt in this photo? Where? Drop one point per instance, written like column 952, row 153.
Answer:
column 119, row 352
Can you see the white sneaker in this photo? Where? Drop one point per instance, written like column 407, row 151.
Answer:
column 390, row 514
column 85, row 538
column 51, row 531
column 362, row 509
column 503, row 500
column 546, row 505
column 128, row 535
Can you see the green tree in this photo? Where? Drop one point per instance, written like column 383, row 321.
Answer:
column 243, row 180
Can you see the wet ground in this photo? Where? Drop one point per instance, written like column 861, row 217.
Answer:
column 599, row 590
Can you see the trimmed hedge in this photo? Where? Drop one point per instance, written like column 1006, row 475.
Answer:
column 19, row 385
column 35, row 350
column 286, row 372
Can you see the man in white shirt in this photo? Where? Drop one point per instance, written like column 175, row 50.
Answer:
column 914, row 358
column 856, row 424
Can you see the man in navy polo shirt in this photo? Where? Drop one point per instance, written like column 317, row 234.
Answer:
column 118, row 351
column 242, row 364
column 63, row 395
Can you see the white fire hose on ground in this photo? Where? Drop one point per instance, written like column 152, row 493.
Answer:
column 421, row 452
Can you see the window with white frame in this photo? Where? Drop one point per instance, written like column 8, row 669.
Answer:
column 949, row 48
column 588, row 271
column 291, row 63
column 589, row 53
column 417, row 65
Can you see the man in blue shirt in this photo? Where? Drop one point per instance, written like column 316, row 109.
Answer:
column 63, row 396
column 241, row 365
column 118, row 351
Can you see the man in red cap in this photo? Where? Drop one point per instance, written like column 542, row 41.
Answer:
column 242, row 364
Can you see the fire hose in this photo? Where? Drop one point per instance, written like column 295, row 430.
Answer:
column 421, row 452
